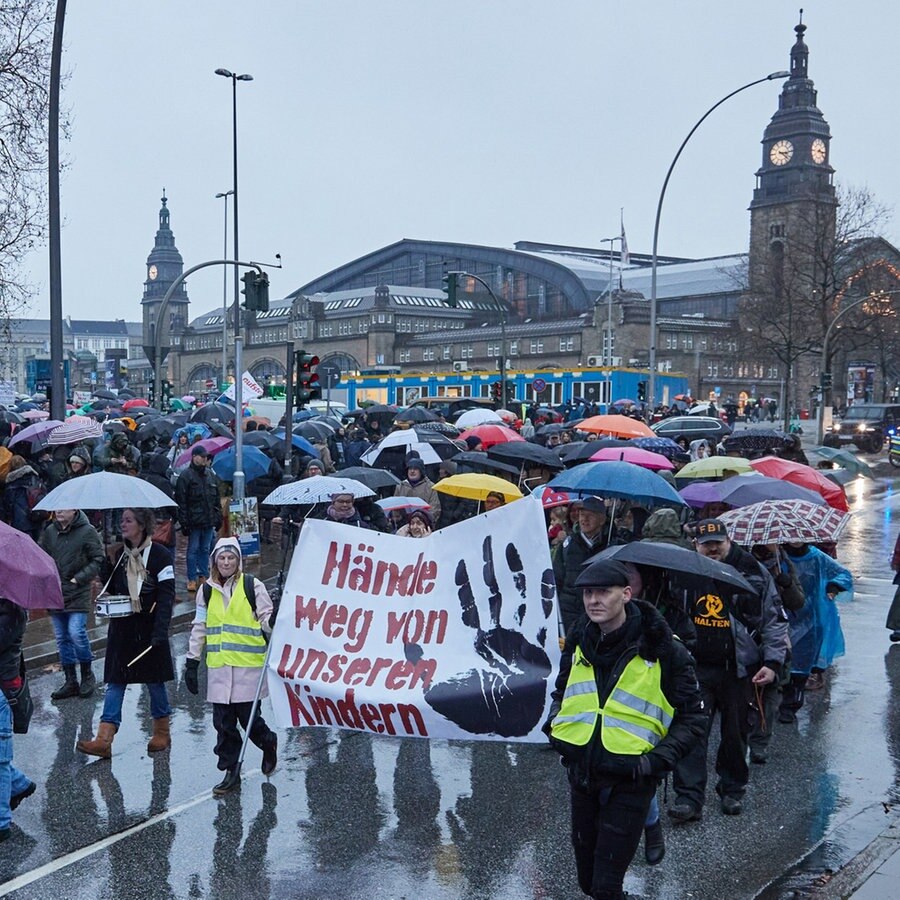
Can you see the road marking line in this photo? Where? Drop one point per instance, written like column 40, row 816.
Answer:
column 75, row 856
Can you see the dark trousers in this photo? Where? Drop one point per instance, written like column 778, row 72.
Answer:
column 228, row 742
column 794, row 693
column 606, row 830
column 724, row 692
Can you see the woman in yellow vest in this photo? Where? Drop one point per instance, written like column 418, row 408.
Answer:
column 626, row 707
column 232, row 621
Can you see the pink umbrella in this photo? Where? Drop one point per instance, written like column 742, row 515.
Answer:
column 212, row 445
column 644, row 458
column 28, row 576
column 493, row 434
column 36, row 415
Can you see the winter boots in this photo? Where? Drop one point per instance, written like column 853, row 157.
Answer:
column 231, row 782
column 102, row 744
column 88, row 681
column 161, row 739
column 270, row 757
column 69, row 688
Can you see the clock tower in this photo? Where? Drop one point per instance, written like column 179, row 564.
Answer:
column 164, row 265
column 794, row 201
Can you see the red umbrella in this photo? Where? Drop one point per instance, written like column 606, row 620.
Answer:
column 644, row 458
column 550, row 498
column 212, row 445
column 493, row 434
column 28, row 576
column 138, row 401
column 785, row 470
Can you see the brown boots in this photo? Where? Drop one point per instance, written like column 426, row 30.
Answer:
column 102, row 744
column 161, row 739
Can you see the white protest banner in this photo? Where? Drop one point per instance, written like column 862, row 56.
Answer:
column 449, row 636
column 249, row 391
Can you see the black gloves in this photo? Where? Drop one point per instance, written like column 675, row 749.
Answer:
column 191, row 681
column 642, row 768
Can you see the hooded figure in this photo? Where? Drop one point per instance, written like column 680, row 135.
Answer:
column 232, row 622
column 78, row 462
column 417, row 484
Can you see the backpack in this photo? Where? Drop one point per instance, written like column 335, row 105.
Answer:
column 249, row 591
column 33, row 496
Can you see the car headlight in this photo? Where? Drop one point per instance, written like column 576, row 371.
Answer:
column 861, row 427
column 836, row 426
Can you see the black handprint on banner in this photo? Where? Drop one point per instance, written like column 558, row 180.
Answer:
column 506, row 696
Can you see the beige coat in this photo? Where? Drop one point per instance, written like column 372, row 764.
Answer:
column 425, row 490
column 230, row 684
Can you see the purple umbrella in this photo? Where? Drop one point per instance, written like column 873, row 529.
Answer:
column 700, row 493
column 28, row 576
column 35, row 435
column 212, row 445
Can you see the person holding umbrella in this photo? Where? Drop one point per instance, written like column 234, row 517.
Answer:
column 14, row 786
column 232, row 622
column 137, row 649
column 417, row 484
column 199, row 513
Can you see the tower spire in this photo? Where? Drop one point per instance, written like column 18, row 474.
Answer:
column 799, row 52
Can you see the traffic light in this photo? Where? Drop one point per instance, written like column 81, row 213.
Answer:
column 826, row 380
column 151, row 393
column 450, row 288
column 307, row 379
column 496, row 391
column 510, row 391
column 642, row 391
column 166, row 392
column 256, row 290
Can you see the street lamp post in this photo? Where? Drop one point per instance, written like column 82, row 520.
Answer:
column 238, row 482
column 224, row 195
column 825, row 364
column 653, row 265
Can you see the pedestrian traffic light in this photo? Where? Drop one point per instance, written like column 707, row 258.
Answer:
column 826, row 380
column 256, row 290
column 151, row 393
column 307, row 378
column 642, row 391
column 166, row 392
column 450, row 288
column 496, row 391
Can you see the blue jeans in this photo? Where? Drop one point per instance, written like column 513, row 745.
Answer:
column 652, row 813
column 115, row 695
column 200, row 545
column 71, row 637
column 12, row 781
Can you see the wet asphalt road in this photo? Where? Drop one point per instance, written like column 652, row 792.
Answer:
column 349, row 815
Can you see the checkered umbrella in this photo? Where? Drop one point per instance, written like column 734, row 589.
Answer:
column 784, row 521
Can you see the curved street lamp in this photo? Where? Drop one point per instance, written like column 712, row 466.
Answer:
column 653, row 265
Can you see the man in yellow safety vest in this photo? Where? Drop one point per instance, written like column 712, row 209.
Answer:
column 626, row 707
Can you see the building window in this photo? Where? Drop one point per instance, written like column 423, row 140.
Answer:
column 404, row 356
column 513, row 348
column 567, row 344
column 712, row 370
column 687, row 342
column 536, row 346
column 466, row 352
column 493, row 350
column 445, row 351
column 671, row 341
column 428, row 354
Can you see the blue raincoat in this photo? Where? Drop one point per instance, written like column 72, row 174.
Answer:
column 816, row 636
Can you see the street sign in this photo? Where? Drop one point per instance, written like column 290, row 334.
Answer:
column 539, row 385
column 329, row 374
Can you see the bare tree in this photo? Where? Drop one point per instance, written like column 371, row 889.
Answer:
column 26, row 34
column 825, row 259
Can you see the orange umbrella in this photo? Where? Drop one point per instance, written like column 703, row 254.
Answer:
column 493, row 434
column 620, row 426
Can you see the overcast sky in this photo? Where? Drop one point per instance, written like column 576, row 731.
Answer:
column 481, row 122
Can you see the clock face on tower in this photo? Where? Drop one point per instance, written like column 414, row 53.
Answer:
column 818, row 151
column 152, row 272
column 781, row 153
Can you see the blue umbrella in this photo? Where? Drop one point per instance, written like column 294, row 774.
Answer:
column 256, row 463
column 298, row 442
column 618, row 479
column 663, row 445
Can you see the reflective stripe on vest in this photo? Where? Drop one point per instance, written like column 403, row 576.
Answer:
column 634, row 720
column 233, row 636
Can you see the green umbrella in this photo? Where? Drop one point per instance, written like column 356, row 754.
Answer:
column 846, row 459
column 178, row 404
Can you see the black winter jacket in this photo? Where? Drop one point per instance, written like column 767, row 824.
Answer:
column 647, row 635
column 567, row 565
column 78, row 554
column 16, row 511
column 12, row 630
column 197, row 495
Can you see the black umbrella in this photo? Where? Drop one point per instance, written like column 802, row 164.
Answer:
column 104, row 394
column 116, row 427
column 553, row 428
column 766, row 439
column 220, row 429
column 444, row 428
column 415, row 415
column 582, row 451
column 478, row 461
column 377, row 408
column 371, row 478
column 155, row 428
column 9, row 415
column 313, row 430
column 687, row 567
column 104, row 402
column 125, row 394
column 210, row 412
column 519, row 452
column 265, row 440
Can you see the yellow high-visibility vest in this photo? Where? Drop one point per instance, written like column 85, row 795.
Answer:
column 233, row 636
column 634, row 720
